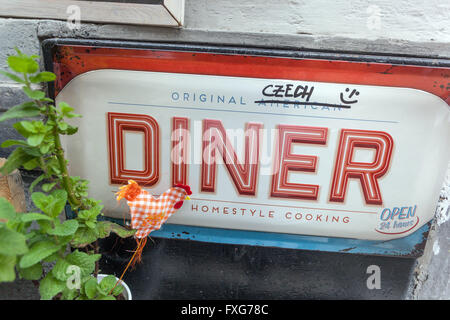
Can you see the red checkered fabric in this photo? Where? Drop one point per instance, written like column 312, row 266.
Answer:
column 149, row 213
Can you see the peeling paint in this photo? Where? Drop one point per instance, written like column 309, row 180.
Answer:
column 443, row 208
column 436, row 248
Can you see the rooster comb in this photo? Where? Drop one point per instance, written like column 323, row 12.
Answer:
column 185, row 187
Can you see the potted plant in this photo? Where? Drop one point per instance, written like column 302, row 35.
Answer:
column 60, row 255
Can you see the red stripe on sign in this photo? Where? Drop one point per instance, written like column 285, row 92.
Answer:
column 70, row 61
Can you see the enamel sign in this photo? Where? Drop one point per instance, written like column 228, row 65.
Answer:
column 267, row 154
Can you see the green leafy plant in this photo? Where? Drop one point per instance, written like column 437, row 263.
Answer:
column 100, row 290
column 60, row 255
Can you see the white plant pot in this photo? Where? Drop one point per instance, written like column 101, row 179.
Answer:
column 126, row 292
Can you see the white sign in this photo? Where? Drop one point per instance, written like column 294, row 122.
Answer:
column 310, row 158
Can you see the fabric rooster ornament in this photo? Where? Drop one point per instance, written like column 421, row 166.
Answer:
column 149, row 213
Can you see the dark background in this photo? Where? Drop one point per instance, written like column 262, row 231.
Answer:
column 184, row 269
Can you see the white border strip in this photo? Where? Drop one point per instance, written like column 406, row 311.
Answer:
column 168, row 14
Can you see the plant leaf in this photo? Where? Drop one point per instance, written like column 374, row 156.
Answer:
column 90, row 224
column 48, row 186
column 30, row 165
column 29, row 126
column 66, row 228
column 35, row 182
column 83, row 237
column 69, row 294
column 60, row 197
column 12, row 243
column 32, row 151
column 22, row 129
column 65, row 108
column 27, row 109
column 7, row 272
column 107, row 283
column 32, row 273
column 90, row 288
column 38, row 251
column 23, row 64
column 12, row 76
column 85, row 261
column 7, row 210
column 63, row 125
column 118, row 290
column 106, row 227
column 34, row 217
column 15, row 160
column 71, row 130
column 52, row 204
column 44, row 76
column 50, row 287
column 34, row 94
column 40, row 200
column 10, row 143
column 51, row 258
column 60, row 269
column 35, row 139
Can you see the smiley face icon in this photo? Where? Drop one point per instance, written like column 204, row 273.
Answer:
column 349, row 96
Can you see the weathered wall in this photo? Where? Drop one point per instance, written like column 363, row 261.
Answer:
column 417, row 28
column 416, row 20
column 431, row 279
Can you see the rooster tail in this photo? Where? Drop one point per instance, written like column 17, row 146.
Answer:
column 129, row 192
column 136, row 258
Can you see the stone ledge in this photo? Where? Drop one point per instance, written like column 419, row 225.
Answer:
column 58, row 29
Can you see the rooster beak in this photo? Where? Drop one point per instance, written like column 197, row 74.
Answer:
column 187, row 198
